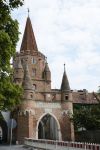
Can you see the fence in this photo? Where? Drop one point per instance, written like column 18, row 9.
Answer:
column 89, row 136
column 60, row 145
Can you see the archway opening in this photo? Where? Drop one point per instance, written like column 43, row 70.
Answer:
column 48, row 128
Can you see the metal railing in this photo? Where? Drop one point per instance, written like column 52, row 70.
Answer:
column 60, row 145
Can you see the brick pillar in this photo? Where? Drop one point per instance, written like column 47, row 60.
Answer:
column 25, row 126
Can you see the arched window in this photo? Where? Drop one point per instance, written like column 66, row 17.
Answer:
column 33, row 60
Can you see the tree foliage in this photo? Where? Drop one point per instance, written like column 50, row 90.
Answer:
column 9, row 92
column 87, row 117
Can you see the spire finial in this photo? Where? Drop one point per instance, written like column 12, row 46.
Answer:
column 64, row 66
column 28, row 11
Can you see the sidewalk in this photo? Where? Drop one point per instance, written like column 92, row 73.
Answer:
column 12, row 147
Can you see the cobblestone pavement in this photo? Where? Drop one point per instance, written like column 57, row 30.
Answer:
column 12, row 147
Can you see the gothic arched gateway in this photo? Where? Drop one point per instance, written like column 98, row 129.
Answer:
column 48, row 127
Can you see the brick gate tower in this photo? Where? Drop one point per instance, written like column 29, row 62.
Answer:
column 44, row 112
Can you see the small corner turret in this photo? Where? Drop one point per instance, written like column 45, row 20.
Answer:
column 18, row 71
column 47, row 73
column 66, row 99
column 27, row 85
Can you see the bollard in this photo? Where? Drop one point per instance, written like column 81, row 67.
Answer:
column 45, row 145
column 16, row 142
column 56, row 144
column 85, row 146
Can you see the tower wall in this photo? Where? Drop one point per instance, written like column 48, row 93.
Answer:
column 38, row 97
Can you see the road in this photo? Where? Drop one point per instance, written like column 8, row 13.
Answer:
column 13, row 147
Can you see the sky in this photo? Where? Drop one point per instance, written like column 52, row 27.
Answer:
column 66, row 31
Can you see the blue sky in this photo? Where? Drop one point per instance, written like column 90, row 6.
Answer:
column 67, row 31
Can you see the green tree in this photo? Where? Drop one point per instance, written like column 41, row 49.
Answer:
column 87, row 117
column 10, row 93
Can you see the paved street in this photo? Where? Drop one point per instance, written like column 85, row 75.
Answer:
column 13, row 147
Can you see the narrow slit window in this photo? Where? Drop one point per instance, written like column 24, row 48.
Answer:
column 33, row 72
column 66, row 97
column 33, row 61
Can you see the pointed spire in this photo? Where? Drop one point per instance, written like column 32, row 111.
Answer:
column 27, row 83
column 65, row 83
column 28, row 42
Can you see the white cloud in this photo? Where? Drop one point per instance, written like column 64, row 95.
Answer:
column 67, row 31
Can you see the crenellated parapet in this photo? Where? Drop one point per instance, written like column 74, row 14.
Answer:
column 26, row 112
